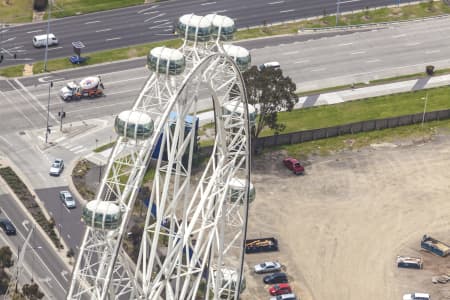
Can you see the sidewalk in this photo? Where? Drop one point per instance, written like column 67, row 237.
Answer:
column 373, row 91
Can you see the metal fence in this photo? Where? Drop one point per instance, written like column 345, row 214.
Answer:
column 351, row 128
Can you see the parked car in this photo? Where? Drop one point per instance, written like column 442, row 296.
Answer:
column 294, row 165
column 57, row 167
column 284, row 297
column 416, row 296
column 275, row 278
column 67, row 199
column 267, row 267
column 7, row 227
column 280, row 289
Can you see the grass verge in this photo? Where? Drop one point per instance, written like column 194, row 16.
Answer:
column 364, row 109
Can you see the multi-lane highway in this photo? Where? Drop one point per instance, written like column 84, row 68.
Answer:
column 154, row 22
column 312, row 61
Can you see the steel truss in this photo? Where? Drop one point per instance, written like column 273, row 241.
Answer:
column 196, row 236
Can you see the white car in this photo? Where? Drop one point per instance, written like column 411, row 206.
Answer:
column 284, row 297
column 57, row 167
column 268, row 266
column 416, row 296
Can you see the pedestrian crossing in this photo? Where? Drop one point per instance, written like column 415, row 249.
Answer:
column 75, row 148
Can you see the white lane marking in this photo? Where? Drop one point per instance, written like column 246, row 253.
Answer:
column 160, row 21
column 154, row 17
column 151, row 12
column 33, row 31
column 373, row 60
column 63, row 275
column 165, row 34
column 286, row 11
column 35, row 99
column 44, row 79
column 276, row 2
column 413, row 44
column 208, row 3
column 60, row 139
column 6, row 141
column 301, row 61
column 145, row 9
column 358, row 52
column 81, row 150
column 399, row 35
column 68, row 236
column 291, row 52
column 15, row 107
column 164, row 25
column 76, row 147
column 92, row 22
column 25, row 223
column 54, row 48
column 112, row 39
column 318, row 69
column 345, row 44
column 221, row 11
column 432, row 51
column 103, row 30
column 9, row 40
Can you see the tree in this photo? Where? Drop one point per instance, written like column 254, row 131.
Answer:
column 270, row 92
column 6, row 260
column 32, row 292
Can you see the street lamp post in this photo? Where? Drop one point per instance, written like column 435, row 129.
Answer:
column 47, row 129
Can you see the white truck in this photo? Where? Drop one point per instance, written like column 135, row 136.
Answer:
column 88, row 87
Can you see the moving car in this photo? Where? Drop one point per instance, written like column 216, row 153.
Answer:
column 284, row 297
column 57, row 167
column 272, row 64
column 7, row 227
column 280, row 289
column 41, row 40
column 416, row 296
column 275, row 278
column 267, row 267
column 67, row 199
column 294, row 165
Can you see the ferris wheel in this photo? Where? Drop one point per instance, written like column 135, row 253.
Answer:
column 194, row 232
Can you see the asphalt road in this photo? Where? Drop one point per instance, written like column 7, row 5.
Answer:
column 399, row 49
column 154, row 22
column 40, row 260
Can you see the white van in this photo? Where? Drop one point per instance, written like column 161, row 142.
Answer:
column 41, row 40
column 272, row 64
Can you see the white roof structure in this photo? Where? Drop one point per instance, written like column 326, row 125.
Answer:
column 236, row 51
column 103, row 207
column 166, row 53
column 238, row 107
column 220, row 21
column 135, row 117
column 192, row 20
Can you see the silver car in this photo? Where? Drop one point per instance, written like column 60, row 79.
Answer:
column 67, row 199
column 57, row 167
column 267, row 267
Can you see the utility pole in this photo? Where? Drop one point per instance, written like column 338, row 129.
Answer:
column 48, row 32
column 47, row 131
column 424, row 108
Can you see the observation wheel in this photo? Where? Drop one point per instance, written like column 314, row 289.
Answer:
column 193, row 238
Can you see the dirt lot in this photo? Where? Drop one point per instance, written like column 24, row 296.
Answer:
column 341, row 226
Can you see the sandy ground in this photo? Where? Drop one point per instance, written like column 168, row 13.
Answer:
column 341, row 226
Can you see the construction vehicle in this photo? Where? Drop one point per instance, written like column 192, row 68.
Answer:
column 261, row 245
column 435, row 246
column 409, row 262
column 88, row 87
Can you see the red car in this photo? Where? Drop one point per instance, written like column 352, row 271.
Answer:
column 280, row 289
column 294, row 165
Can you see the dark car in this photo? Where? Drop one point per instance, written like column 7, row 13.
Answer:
column 275, row 278
column 7, row 227
column 294, row 165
